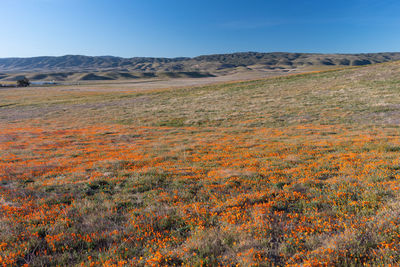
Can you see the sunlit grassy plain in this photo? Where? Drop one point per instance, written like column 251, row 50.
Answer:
column 303, row 169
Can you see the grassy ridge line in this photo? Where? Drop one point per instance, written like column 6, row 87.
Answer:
column 206, row 63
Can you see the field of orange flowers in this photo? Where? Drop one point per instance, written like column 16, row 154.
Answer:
column 92, row 192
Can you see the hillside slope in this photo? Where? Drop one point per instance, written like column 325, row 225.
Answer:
column 208, row 63
column 299, row 170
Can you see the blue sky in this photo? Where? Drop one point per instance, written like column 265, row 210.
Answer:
column 172, row 28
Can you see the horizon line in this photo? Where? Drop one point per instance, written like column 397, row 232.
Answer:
column 213, row 54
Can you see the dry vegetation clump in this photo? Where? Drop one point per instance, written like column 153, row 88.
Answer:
column 240, row 188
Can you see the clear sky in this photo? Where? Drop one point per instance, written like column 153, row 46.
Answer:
column 172, row 28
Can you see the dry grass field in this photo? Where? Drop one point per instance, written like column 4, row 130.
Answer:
column 295, row 170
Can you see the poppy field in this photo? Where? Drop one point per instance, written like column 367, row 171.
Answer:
column 288, row 171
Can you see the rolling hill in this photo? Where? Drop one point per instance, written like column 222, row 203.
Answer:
column 297, row 170
column 202, row 64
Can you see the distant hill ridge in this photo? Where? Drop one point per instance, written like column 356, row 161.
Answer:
column 207, row 63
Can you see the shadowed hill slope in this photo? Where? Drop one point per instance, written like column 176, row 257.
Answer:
column 207, row 63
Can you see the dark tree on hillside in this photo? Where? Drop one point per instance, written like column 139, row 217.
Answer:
column 24, row 82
